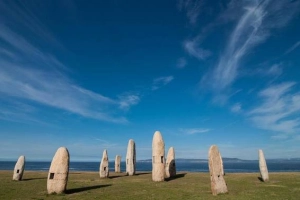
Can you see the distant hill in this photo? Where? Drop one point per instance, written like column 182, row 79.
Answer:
column 231, row 160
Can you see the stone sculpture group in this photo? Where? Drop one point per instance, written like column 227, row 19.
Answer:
column 161, row 168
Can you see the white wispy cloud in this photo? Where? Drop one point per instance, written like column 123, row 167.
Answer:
column 161, row 81
column 274, row 70
column 254, row 25
column 236, row 108
column 193, row 48
column 192, row 131
column 192, row 8
column 37, row 76
column 181, row 63
column 278, row 110
column 292, row 48
column 128, row 100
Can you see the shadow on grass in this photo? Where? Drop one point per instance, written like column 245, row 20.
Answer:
column 30, row 179
column 142, row 173
column 260, row 179
column 82, row 189
column 116, row 176
column 175, row 177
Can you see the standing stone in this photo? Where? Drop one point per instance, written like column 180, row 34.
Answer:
column 218, row 184
column 263, row 166
column 170, row 164
column 130, row 158
column 104, row 170
column 118, row 164
column 19, row 169
column 158, row 157
column 59, row 171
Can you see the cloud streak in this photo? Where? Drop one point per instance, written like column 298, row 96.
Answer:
column 278, row 110
column 193, row 49
column 37, row 76
column 253, row 27
column 161, row 81
column 192, row 8
column 192, row 131
column 292, row 48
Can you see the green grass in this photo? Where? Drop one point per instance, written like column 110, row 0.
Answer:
column 88, row 185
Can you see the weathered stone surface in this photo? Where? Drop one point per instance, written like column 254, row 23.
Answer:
column 19, row 169
column 170, row 164
column 158, row 157
column 59, row 171
column 130, row 158
column 218, row 184
column 263, row 166
column 104, row 170
column 118, row 164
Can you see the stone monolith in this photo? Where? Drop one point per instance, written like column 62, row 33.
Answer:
column 130, row 158
column 58, row 172
column 170, row 164
column 118, row 164
column 263, row 166
column 104, row 170
column 218, row 184
column 158, row 157
column 19, row 169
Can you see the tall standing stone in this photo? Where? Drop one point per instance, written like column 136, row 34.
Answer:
column 59, row 171
column 130, row 158
column 104, row 170
column 263, row 166
column 218, row 184
column 170, row 164
column 158, row 157
column 118, row 164
column 19, row 169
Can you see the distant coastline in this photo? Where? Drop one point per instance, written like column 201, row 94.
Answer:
column 231, row 165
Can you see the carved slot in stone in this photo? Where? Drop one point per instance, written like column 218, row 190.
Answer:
column 18, row 171
column 104, row 168
column 51, row 176
column 162, row 159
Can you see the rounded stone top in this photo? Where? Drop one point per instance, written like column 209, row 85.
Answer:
column 213, row 147
column 157, row 136
column 131, row 141
column 171, row 150
column 22, row 157
column 104, row 152
column 62, row 151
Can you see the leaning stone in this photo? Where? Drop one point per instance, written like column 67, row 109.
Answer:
column 19, row 169
column 104, row 170
column 58, row 172
column 218, row 184
column 130, row 158
column 263, row 166
column 170, row 164
column 118, row 164
column 158, row 157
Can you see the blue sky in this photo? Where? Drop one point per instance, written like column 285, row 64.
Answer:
column 92, row 75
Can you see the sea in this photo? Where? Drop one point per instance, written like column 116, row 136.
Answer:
column 186, row 166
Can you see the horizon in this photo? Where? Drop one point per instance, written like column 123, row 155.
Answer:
column 94, row 75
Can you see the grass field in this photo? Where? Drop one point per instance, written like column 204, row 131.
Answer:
column 88, row 185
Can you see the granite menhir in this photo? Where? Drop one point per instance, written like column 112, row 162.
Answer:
column 158, row 157
column 59, row 171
